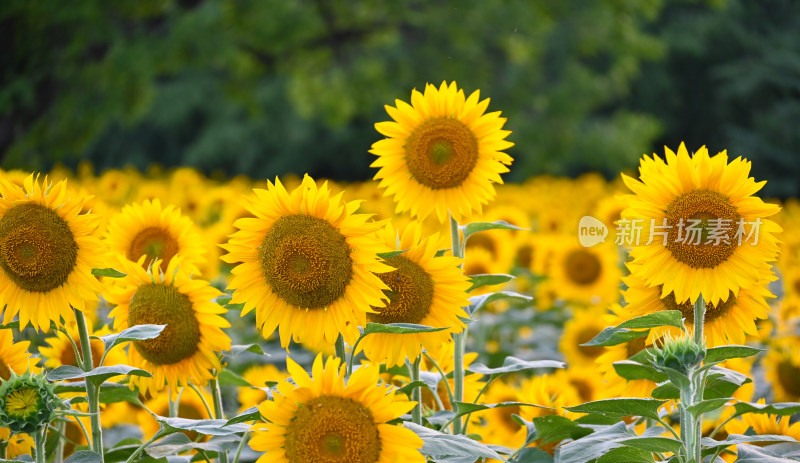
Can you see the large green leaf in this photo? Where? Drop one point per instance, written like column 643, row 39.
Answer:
column 398, row 328
column 647, row 408
column 511, row 364
column 656, row 319
column 634, row 370
column 207, row 427
column 613, row 336
column 438, row 444
column 478, row 302
column 488, row 279
column 780, row 408
column 97, row 375
column 134, row 333
column 721, row 353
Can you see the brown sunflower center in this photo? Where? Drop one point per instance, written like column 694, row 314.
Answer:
column 441, row 153
column 306, row 261
column 585, row 335
column 582, row 267
column 524, row 256
column 155, row 243
column 504, row 414
column 789, row 377
column 476, row 268
column 159, row 304
column 713, row 311
column 410, row 295
column 37, row 249
column 5, row 371
column 332, row 429
column 796, row 285
column 707, row 237
column 583, row 387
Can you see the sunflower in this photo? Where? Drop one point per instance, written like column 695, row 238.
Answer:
column 47, row 253
column 306, row 263
column 717, row 237
column 155, row 232
column 782, row 370
column 325, row 420
column 588, row 275
column 14, row 356
column 258, row 376
column 424, row 290
column 582, row 328
column 442, row 153
column 187, row 349
column 726, row 322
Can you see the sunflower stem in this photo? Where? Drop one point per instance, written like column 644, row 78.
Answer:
column 699, row 320
column 340, row 351
column 92, row 391
column 39, row 440
column 241, row 446
column 219, row 413
column 416, row 412
column 59, row 457
column 458, row 338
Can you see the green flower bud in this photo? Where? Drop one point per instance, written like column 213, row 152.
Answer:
column 27, row 403
column 680, row 354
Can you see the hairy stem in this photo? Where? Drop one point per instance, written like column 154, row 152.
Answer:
column 92, row 391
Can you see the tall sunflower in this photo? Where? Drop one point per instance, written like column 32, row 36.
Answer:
column 701, row 204
column 442, row 153
column 47, row 253
column 327, row 420
column 424, row 289
column 187, row 349
column 726, row 322
column 156, row 232
column 306, row 263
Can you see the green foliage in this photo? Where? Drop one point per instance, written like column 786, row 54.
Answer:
column 270, row 87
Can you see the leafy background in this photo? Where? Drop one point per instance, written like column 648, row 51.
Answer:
column 269, row 87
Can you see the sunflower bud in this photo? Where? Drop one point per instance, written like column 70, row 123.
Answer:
column 679, row 354
column 27, row 403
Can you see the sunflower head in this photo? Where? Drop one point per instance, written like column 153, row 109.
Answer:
column 704, row 231
column 47, row 252
column 27, row 403
column 442, row 153
column 305, row 262
column 680, row 354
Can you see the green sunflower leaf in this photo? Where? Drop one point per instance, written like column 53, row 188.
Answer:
column 134, row 333
column 108, row 272
column 109, row 392
column 781, row 408
column 207, row 427
column 478, row 302
column 635, row 370
column 251, row 414
column 718, row 354
column 627, row 406
column 237, row 349
column 736, row 439
column 488, row 279
column 511, row 364
column 390, row 254
column 708, row 405
column 613, row 335
column 776, row 453
column 398, row 328
column 409, row 388
column 555, row 428
column 472, row 228
column 438, row 444
column 229, row 378
column 84, row 456
column 97, row 375
column 656, row 319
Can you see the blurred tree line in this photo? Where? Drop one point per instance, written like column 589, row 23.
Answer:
column 267, row 87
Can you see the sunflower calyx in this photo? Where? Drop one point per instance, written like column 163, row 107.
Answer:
column 27, row 403
column 681, row 354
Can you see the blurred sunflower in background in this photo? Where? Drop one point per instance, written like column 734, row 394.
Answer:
column 442, row 153
column 306, row 264
column 714, row 197
column 424, row 290
column 589, row 275
column 47, row 253
column 258, row 376
column 191, row 406
column 187, row 350
column 155, row 232
column 14, row 356
column 321, row 418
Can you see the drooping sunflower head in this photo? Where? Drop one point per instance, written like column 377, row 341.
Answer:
column 188, row 347
column 47, row 252
column 151, row 231
column 27, row 403
column 709, row 234
column 326, row 419
column 424, row 290
column 306, row 263
column 442, row 153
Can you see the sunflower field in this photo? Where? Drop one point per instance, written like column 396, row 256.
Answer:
column 435, row 314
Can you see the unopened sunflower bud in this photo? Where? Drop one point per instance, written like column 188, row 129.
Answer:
column 27, row 403
column 679, row 354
